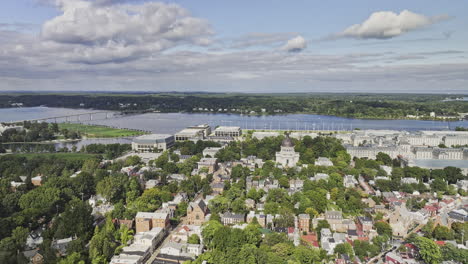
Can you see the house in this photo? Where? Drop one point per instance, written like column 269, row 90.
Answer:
column 249, row 203
column 34, row 256
column 320, row 176
column 349, row 181
column 196, row 212
column 140, row 251
column 394, row 258
column 183, row 233
column 409, row 181
column 211, row 152
column 14, row 185
column 209, row 163
column 61, row 245
column 182, row 249
column 150, row 238
column 229, row 218
column 304, row 222
column 36, row 181
column 364, row 223
column 145, row 221
column 130, row 170
column 310, row 240
column 334, row 218
column 322, row 161
column 261, row 218
column 217, row 187
column 296, row 184
column 149, row 184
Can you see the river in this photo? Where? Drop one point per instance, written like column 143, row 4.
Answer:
column 173, row 122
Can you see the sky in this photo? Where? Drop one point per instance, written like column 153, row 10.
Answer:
column 276, row 46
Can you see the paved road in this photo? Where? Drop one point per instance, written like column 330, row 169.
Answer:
column 166, row 240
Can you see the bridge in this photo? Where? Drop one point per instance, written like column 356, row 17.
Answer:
column 90, row 116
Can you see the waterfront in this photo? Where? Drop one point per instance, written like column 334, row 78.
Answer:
column 173, row 122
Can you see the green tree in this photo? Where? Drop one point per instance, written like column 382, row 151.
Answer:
column 113, row 188
column 194, row 239
column 75, row 220
column 344, row 248
column 383, row 228
column 443, row 233
column 384, row 158
column 428, row 228
column 428, row 250
column 73, row 258
column 208, row 232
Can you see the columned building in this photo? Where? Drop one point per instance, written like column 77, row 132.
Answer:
column 287, row 156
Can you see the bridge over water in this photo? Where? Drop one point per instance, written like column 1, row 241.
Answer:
column 96, row 115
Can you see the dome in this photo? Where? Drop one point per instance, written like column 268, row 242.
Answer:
column 287, row 142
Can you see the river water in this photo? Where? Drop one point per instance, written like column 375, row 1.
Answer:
column 172, row 122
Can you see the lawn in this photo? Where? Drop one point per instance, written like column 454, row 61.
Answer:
column 95, row 131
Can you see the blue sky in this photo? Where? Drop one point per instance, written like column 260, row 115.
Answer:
column 247, row 46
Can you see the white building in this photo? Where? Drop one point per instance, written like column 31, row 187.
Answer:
column 228, row 131
column 147, row 143
column 320, row 176
column 192, row 134
column 349, row 181
column 322, row 161
column 287, row 157
column 262, row 135
column 210, row 151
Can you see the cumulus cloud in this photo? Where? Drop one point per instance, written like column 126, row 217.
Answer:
column 296, row 44
column 125, row 46
column 124, row 31
column 387, row 24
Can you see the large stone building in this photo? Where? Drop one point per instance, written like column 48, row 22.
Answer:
column 287, row 157
column 196, row 212
column 147, row 143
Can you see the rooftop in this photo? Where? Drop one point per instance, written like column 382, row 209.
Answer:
column 151, row 138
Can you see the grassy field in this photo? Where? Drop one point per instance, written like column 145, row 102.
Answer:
column 71, row 156
column 93, row 131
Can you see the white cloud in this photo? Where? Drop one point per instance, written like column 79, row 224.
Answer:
column 296, row 44
column 387, row 24
column 123, row 31
column 126, row 46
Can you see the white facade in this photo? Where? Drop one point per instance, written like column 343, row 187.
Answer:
column 287, row 157
column 262, row 135
column 322, row 161
column 228, row 131
column 147, row 143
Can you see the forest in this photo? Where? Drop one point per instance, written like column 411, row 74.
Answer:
column 378, row 106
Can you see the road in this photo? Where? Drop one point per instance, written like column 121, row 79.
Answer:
column 166, row 240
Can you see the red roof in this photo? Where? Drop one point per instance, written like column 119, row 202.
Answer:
column 311, row 240
column 290, row 230
column 430, row 208
column 440, row 243
column 409, row 245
